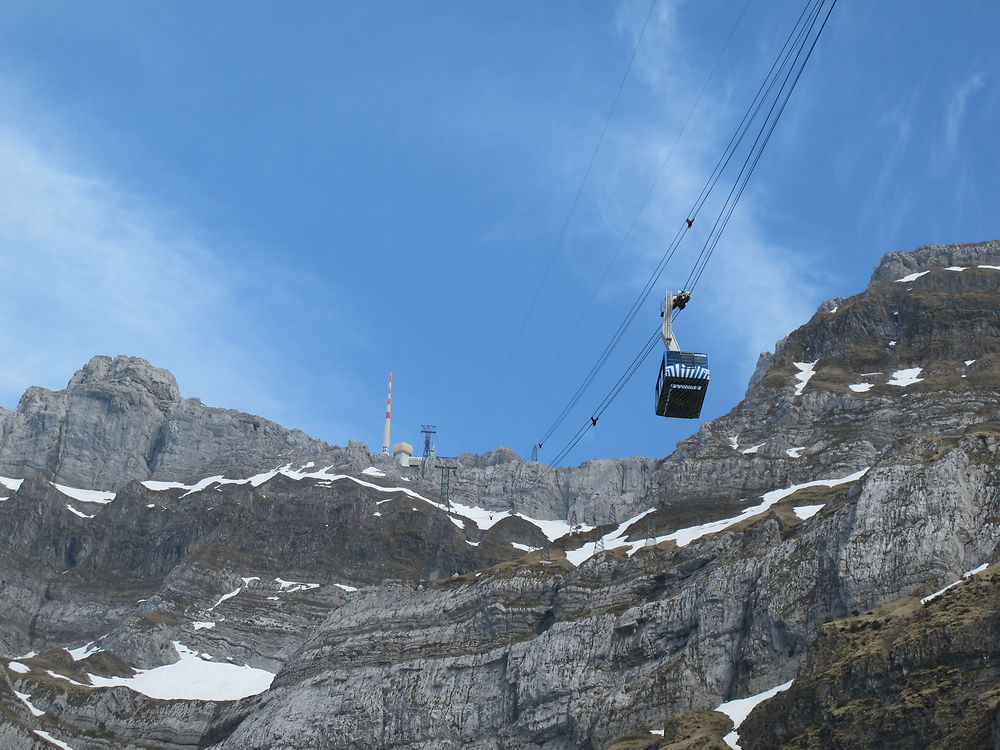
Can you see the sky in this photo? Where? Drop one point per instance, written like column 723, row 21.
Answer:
column 282, row 203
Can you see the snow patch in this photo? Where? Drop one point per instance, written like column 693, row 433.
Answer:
column 524, row 547
column 612, row 540
column 291, row 587
column 16, row 666
column 481, row 517
column 795, row 452
column 806, row 371
column 73, row 510
column 969, row 362
column 11, row 484
column 85, row 496
column 739, row 710
column 193, row 678
column 83, row 652
column 992, row 268
column 683, row 537
column 373, row 472
column 199, row 625
column 861, row 387
column 150, row 484
column 734, row 443
column 903, row 378
column 805, row 512
column 223, row 598
column 25, row 699
column 912, row 277
column 754, row 449
column 50, row 739
column 956, row 268
column 967, row 574
column 345, row 587
column 70, row 680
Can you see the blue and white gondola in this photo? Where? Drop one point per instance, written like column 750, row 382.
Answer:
column 683, row 378
column 682, row 384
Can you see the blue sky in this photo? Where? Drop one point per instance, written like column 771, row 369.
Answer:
column 283, row 202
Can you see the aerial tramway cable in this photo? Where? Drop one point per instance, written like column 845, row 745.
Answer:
column 797, row 65
column 635, row 218
column 565, row 226
column 714, row 241
column 795, row 38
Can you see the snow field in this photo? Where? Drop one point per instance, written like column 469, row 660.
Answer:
column 805, row 512
column 739, row 710
column 193, row 677
column 85, row 496
column 25, row 698
column 903, row 378
column 967, row 574
column 806, row 371
column 52, row 740
column 11, row 484
column 83, row 652
column 291, row 587
column 683, row 537
column 911, row 277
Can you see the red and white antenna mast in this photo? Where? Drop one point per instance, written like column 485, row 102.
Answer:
column 388, row 416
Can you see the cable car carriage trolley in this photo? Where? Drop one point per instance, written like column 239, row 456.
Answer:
column 683, row 378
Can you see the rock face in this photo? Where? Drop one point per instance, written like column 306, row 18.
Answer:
column 122, row 419
column 905, row 675
column 463, row 634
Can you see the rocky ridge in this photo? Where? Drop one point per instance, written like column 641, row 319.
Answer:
column 895, row 389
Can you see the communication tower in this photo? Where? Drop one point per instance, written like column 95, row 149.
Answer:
column 388, row 417
column 427, row 430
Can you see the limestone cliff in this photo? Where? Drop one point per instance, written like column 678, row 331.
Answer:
column 861, row 471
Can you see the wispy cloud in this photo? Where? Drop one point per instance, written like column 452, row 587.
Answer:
column 749, row 263
column 956, row 112
column 91, row 267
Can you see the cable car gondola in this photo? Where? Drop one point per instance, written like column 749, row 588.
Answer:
column 683, row 378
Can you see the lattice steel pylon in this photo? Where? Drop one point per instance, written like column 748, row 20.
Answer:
column 650, row 531
column 446, row 471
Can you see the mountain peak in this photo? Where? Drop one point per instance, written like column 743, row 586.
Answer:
column 123, row 370
column 897, row 264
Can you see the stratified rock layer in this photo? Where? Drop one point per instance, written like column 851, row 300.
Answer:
column 474, row 644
